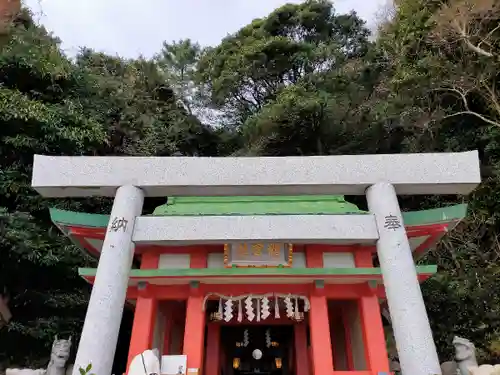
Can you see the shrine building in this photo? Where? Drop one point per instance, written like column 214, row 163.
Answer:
column 259, row 265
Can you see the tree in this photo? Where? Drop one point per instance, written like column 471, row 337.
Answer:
column 249, row 68
column 140, row 111
column 39, row 113
column 97, row 105
column 9, row 9
column 178, row 63
column 325, row 113
column 443, row 95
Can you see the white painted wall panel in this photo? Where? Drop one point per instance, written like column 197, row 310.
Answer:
column 338, row 260
column 174, row 261
column 299, row 260
column 215, row 260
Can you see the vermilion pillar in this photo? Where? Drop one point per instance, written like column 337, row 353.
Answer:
column 150, row 261
column 301, row 353
column 194, row 331
column 314, row 256
column 363, row 258
column 146, row 308
column 143, row 327
column 213, row 350
column 373, row 334
column 199, row 258
column 321, row 344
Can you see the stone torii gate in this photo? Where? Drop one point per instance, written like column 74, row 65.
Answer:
column 380, row 177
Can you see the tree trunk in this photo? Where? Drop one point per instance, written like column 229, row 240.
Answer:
column 8, row 11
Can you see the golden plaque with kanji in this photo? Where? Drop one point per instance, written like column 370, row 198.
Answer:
column 258, row 254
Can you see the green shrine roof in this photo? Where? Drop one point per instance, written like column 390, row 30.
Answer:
column 263, row 205
column 448, row 217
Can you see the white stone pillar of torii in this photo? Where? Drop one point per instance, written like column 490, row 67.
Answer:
column 104, row 313
column 380, row 177
column 414, row 342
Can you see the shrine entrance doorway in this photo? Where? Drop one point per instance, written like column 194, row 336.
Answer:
column 257, row 349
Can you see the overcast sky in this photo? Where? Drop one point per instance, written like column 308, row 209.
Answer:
column 133, row 27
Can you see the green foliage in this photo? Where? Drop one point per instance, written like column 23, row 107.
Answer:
column 178, row 65
column 249, row 68
column 97, row 105
column 324, row 113
column 38, row 268
column 86, row 371
column 446, row 101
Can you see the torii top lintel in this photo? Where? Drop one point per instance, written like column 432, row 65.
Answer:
column 411, row 174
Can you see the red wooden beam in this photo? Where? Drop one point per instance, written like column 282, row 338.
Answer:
column 180, row 292
column 426, row 230
column 345, row 291
column 363, row 257
column 326, row 248
column 160, row 292
column 239, row 289
column 435, row 231
column 87, row 245
column 283, row 321
column 429, row 242
column 190, row 249
column 97, row 233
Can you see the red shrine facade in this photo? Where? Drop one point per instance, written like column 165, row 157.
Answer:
column 306, row 308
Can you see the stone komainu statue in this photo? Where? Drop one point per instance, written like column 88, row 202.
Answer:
column 59, row 355
column 61, row 350
column 465, row 355
column 465, row 362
